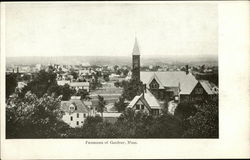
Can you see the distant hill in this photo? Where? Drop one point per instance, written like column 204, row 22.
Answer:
column 110, row 60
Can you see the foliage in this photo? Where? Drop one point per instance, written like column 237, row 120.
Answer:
column 45, row 82
column 74, row 74
column 40, row 84
column 95, row 83
column 131, row 89
column 106, row 77
column 66, row 92
column 101, row 105
column 166, row 126
column 11, row 84
column 33, row 117
column 204, row 124
column 82, row 92
column 120, row 105
column 185, row 110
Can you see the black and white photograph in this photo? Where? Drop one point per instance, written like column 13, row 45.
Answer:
column 112, row 70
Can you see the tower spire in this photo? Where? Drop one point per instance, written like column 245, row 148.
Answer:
column 136, row 62
column 136, row 50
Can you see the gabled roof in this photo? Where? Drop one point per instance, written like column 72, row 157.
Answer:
column 172, row 79
column 148, row 99
column 80, row 106
column 209, row 87
column 154, row 76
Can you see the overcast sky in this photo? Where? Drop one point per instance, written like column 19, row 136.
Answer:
column 84, row 29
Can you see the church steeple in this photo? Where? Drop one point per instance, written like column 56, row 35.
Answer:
column 136, row 50
column 136, row 62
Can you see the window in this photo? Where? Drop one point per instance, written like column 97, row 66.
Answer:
column 71, row 118
column 142, row 106
column 198, row 90
column 77, row 123
column 137, row 106
column 81, row 121
column 155, row 111
column 77, row 115
column 154, row 84
column 84, row 115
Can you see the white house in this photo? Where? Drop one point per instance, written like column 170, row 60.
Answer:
column 62, row 82
column 75, row 112
column 80, row 85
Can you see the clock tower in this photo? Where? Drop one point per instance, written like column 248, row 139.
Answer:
column 136, row 62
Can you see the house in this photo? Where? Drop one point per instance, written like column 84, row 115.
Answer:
column 178, row 85
column 75, row 111
column 147, row 103
column 114, row 77
column 62, row 82
column 79, row 85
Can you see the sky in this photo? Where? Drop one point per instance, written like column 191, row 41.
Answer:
column 109, row 29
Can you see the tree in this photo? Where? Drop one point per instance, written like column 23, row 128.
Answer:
column 131, row 89
column 82, row 92
column 204, row 124
column 133, row 124
column 41, row 83
column 74, row 74
column 11, row 84
column 66, row 92
column 106, row 77
column 107, row 130
column 185, row 110
column 120, row 105
column 101, row 104
column 95, row 83
column 33, row 117
column 165, row 126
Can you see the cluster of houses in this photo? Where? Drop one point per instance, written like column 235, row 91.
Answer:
column 172, row 87
column 160, row 88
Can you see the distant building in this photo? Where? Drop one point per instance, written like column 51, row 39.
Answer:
column 80, row 85
column 114, row 77
column 62, row 82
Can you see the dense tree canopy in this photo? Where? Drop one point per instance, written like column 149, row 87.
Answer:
column 204, row 124
column 131, row 89
column 101, row 104
column 33, row 117
column 11, row 84
column 120, row 105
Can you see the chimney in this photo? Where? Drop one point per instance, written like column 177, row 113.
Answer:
column 13, row 70
column 17, row 70
column 186, row 69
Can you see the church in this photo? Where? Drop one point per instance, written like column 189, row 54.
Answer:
column 165, row 86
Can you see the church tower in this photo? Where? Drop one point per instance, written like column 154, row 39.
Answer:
column 136, row 62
